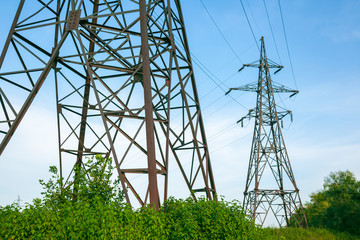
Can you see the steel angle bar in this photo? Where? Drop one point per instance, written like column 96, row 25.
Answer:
column 32, row 94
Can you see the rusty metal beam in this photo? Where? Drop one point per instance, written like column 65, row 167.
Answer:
column 149, row 120
column 11, row 32
column 32, row 94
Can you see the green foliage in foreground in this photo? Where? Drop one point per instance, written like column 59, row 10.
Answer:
column 291, row 233
column 337, row 205
column 184, row 219
column 97, row 211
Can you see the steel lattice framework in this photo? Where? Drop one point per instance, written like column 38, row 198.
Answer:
column 120, row 68
column 269, row 157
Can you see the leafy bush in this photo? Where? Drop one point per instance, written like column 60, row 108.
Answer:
column 184, row 219
column 96, row 210
column 93, row 184
column 205, row 219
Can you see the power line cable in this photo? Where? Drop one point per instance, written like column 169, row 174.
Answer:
column 199, row 63
column 272, row 32
column 230, row 77
column 227, row 79
column 216, row 100
column 221, row 132
column 253, row 17
column 207, row 72
column 221, row 107
column 236, row 140
column 287, row 45
column 225, row 64
column 221, row 33
column 247, row 18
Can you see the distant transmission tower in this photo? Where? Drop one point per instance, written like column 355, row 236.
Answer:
column 268, row 157
column 120, row 69
column 18, row 201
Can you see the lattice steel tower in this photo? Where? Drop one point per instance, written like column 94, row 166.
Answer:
column 270, row 184
column 120, row 68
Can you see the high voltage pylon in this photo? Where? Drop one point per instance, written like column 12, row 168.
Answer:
column 120, row 69
column 270, row 184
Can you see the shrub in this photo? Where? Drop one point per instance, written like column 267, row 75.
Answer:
column 96, row 210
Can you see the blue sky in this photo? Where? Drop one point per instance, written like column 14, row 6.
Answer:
column 324, row 43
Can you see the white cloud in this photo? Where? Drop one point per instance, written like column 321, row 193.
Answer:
column 27, row 158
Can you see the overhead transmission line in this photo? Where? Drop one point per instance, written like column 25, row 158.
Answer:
column 228, row 78
column 207, row 72
column 221, row 33
column 248, row 21
column 272, row 32
column 221, row 132
column 236, row 140
column 287, row 45
column 213, row 78
column 198, row 63
column 253, row 17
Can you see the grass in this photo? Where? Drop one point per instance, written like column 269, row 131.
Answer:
column 291, row 233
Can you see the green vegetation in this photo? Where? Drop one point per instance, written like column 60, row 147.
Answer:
column 337, row 205
column 292, row 233
column 97, row 211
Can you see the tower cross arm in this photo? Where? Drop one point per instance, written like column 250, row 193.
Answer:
column 251, row 114
column 258, row 65
column 277, row 88
column 251, row 87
